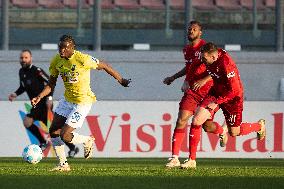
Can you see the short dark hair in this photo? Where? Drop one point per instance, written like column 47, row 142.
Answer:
column 197, row 23
column 209, row 48
column 67, row 38
column 27, row 50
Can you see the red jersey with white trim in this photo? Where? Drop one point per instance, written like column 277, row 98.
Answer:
column 227, row 82
column 195, row 69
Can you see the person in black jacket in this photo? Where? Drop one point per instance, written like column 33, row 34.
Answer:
column 33, row 80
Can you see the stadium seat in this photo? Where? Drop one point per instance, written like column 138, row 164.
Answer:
column 228, row 4
column 73, row 4
column 152, row 4
column 51, row 4
column 249, row 4
column 24, row 3
column 127, row 4
column 198, row 4
column 105, row 4
column 177, row 4
column 203, row 5
column 270, row 4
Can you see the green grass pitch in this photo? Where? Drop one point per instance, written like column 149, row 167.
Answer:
column 144, row 173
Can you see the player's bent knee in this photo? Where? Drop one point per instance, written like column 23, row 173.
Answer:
column 66, row 137
column 206, row 128
column 54, row 132
column 194, row 121
column 197, row 120
column 28, row 122
column 233, row 133
column 181, row 123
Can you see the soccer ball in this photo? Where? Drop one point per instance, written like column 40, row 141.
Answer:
column 32, row 154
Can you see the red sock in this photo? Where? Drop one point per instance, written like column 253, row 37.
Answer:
column 246, row 128
column 194, row 138
column 218, row 129
column 178, row 137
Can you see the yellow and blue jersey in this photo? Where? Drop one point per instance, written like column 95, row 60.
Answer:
column 75, row 73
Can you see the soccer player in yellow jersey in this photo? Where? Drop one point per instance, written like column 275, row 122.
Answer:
column 74, row 68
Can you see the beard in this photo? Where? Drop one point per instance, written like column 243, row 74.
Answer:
column 25, row 65
column 192, row 38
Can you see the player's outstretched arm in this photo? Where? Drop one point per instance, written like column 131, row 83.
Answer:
column 106, row 67
column 47, row 89
column 169, row 80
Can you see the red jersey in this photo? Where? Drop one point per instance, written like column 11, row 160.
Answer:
column 227, row 82
column 195, row 69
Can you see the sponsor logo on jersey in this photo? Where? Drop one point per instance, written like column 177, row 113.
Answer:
column 95, row 60
column 73, row 67
column 198, row 55
column 231, row 74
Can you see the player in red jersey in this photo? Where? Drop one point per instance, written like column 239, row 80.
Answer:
column 226, row 93
column 195, row 87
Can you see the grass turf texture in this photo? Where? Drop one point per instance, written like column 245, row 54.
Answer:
column 143, row 173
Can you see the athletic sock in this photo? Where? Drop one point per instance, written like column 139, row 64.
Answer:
column 79, row 139
column 194, row 138
column 70, row 145
column 58, row 145
column 218, row 128
column 35, row 131
column 178, row 137
column 246, row 128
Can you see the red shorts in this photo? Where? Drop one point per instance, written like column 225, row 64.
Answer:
column 39, row 113
column 232, row 110
column 190, row 101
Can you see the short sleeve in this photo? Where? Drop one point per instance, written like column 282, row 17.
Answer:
column 91, row 62
column 52, row 68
